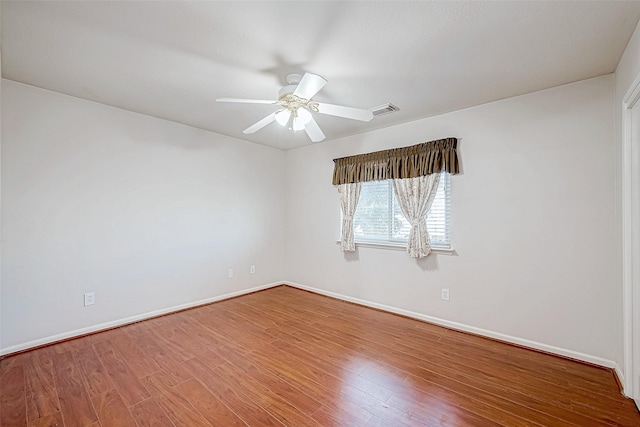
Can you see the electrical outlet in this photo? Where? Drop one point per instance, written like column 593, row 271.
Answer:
column 89, row 298
column 230, row 273
column 445, row 294
column 252, row 270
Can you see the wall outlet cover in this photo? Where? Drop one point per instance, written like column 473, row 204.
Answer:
column 89, row 298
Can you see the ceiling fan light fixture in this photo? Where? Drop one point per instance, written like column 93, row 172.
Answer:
column 298, row 124
column 303, row 115
column 282, row 117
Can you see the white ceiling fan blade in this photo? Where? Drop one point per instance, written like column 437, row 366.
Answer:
column 313, row 130
column 262, row 123
column 309, row 86
column 246, row 101
column 347, row 112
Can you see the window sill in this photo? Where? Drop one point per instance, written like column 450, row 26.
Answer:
column 399, row 246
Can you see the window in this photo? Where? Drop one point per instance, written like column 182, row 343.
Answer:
column 378, row 218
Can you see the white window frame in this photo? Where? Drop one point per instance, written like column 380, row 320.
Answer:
column 436, row 246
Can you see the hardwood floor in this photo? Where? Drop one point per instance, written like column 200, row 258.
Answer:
column 288, row 357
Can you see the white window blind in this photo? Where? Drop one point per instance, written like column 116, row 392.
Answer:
column 379, row 219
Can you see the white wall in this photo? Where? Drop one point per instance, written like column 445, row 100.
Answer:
column 533, row 223
column 627, row 71
column 628, row 67
column 146, row 213
column 0, row 183
column 149, row 214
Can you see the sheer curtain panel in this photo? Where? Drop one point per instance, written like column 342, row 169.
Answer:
column 415, row 197
column 349, row 196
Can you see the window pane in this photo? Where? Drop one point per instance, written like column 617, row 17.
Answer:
column 379, row 217
column 372, row 215
column 438, row 216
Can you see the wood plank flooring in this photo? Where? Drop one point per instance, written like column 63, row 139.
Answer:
column 286, row 357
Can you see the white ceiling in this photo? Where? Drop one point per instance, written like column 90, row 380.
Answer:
column 173, row 59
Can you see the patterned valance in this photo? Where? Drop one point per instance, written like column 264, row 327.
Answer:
column 398, row 163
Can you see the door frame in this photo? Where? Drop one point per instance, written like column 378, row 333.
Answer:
column 631, row 242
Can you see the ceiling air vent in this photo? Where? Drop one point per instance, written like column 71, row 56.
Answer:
column 384, row 109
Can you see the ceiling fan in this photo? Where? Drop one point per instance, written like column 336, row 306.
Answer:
column 297, row 107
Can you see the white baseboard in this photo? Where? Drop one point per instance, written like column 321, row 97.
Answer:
column 430, row 319
column 127, row 320
column 472, row 329
column 618, row 372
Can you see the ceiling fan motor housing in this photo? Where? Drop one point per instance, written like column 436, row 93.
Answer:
column 292, row 83
column 287, row 90
column 291, row 102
